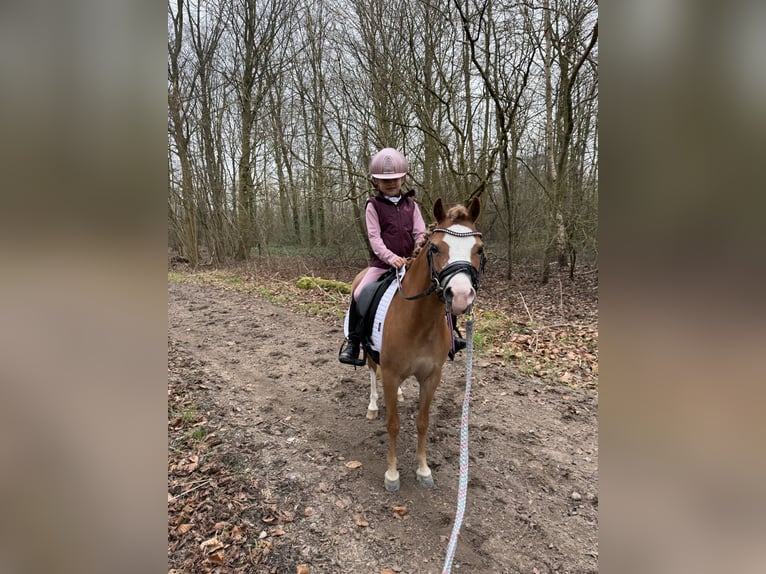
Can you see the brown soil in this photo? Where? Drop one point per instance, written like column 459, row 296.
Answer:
column 263, row 421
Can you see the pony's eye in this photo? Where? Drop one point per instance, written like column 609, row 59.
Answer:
column 433, row 248
column 480, row 250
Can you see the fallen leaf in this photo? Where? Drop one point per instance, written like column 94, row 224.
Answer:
column 400, row 510
column 184, row 528
column 388, row 571
column 258, row 554
column 343, row 502
column 303, row 569
column 353, row 464
column 276, row 531
column 193, row 464
column 216, row 557
column 211, row 545
column 360, row 522
column 286, row 515
column 308, row 511
column 220, row 525
column 171, row 498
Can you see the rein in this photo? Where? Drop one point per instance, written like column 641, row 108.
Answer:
column 439, row 280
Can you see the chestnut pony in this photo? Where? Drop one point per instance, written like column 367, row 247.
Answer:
column 442, row 278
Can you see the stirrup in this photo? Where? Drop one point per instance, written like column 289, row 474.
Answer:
column 350, row 360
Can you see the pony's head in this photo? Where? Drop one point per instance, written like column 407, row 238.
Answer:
column 457, row 252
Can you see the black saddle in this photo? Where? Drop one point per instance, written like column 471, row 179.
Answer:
column 367, row 305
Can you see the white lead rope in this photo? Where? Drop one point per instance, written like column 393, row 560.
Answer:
column 462, row 490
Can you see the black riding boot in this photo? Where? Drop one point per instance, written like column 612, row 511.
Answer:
column 350, row 353
column 460, row 343
column 457, row 339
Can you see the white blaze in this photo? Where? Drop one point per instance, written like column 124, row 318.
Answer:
column 460, row 250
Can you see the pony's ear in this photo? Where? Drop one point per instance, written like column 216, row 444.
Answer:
column 439, row 212
column 474, row 208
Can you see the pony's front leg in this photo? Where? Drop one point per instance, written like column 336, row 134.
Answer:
column 427, row 389
column 391, row 479
column 372, row 408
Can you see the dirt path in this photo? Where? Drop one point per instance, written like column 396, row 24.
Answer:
column 288, row 417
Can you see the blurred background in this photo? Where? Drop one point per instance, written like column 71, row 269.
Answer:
column 87, row 165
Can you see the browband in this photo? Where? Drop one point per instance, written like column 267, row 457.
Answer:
column 457, row 233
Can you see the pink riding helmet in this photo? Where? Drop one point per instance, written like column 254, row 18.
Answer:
column 388, row 163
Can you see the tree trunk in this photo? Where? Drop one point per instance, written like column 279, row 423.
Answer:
column 188, row 234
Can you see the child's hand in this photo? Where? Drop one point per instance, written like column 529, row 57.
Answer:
column 399, row 262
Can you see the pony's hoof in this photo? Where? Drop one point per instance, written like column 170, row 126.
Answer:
column 391, row 485
column 372, row 415
column 426, row 481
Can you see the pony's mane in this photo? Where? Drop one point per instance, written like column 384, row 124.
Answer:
column 458, row 214
column 419, row 248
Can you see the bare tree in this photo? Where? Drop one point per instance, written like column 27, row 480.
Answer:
column 257, row 28
column 177, row 108
column 563, row 31
column 206, row 27
column 505, row 75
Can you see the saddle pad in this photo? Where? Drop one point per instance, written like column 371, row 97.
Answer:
column 380, row 317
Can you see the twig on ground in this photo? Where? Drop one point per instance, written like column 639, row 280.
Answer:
column 531, row 320
column 285, row 423
column 203, row 483
column 561, row 298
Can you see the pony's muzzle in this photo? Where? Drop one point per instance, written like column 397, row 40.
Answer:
column 460, row 296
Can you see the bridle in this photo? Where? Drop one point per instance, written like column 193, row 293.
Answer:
column 440, row 280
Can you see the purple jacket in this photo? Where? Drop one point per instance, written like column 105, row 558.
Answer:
column 393, row 229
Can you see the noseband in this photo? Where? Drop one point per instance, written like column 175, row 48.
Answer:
column 440, row 280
